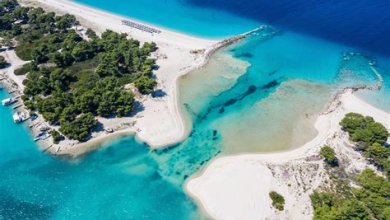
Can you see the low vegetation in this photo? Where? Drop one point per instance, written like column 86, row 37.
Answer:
column 23, row 70
column 369, row 201
column 329, row 155
column 369, row 195
column 364, row 130
column 371, row 137
column 3, row 62
column 277, row 200
column 74, row 77
column 57, row 137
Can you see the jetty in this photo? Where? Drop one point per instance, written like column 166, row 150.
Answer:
column 234, row 39
column 141, row 27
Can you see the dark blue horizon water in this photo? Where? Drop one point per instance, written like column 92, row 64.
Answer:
column 363, row 24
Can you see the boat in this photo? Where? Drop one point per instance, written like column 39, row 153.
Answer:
column 38, row 136
column 44, row 128
column 109, row 130
column 8, row 101
column 45, row 136
column 17, row 117
column 42, row 136
column 33, row 117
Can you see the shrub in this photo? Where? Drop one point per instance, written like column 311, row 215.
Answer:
column 364, row 129
column 23, row 70
column 57, row 137
column 23, row 51
column 329, row 155
column 145, row 84
column 277, row 200
column 3, row 63
column 79, row 129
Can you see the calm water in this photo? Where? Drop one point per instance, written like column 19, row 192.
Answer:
column 116, row 182
column 358, row 23
column 260, row 95
column 290, row 80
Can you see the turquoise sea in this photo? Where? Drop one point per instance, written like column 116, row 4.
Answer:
column 265, row 92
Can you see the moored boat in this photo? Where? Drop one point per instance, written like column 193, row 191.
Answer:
column 8, row 101
column 44, row 128
column 41, row 136
column 19, row 117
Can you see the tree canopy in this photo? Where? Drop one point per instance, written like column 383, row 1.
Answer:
column 371, row 201
column 74, row 78
column 364, row 129
column 371, row 137
column 329, row 155
column 371, row 198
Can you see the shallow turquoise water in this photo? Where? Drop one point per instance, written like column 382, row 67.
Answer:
column 116, row 182
column 229, row 18
column 291, row 78
column 268, row 107
column 178, row 15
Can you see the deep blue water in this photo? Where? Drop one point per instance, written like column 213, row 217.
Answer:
column 362, row 24
column 359, row 23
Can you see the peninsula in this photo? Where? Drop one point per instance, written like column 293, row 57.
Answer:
column 164, row 57
column 81, row 77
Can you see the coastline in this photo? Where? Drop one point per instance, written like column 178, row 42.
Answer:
column 246, row 195
column 178, row 54
column 215, row 183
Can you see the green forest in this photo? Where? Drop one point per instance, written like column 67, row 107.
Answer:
column 369, row 198
column 74, row 77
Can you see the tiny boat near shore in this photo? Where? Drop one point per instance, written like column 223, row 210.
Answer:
column 109, row 130
column 44, row 128
column 42, row 136
column 8, row 101
column 19, row 117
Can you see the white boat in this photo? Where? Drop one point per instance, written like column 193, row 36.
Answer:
column 44, row 128
column 8, row 101
column 109, row 130
column 17, row 117
column 42, row 136
column 45, row 136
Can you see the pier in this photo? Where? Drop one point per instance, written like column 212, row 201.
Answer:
column 141, row 27
column 234, row 39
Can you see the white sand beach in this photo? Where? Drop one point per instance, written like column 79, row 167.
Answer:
column 15, row 63
column 160, row 122
column 237, row 187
